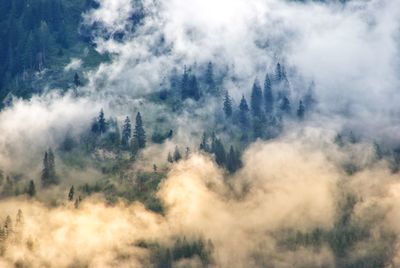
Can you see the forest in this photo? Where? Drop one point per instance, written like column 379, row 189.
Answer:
column 201, row 133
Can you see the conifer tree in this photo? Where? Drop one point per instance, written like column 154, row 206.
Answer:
column 102, row 124
column 232, row 160
column 268, row 96
column 71, row 193
column 169, row 158
column 49, row 176
column 77, row 80
column 256, row 99
column 285, row 105
column 219, row 152
column 139, row 134
column 211, row 87
column 194, row 91
column 243, row 112
column 126, row 133
column 204, row 143
column 301, row 111
column 31, row 191
column 227, row 105
column 185, row 84
column 177, row 154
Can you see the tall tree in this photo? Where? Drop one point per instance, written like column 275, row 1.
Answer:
column 194, row 91
column 49, row 176
column 219, row 152
column 71, row 193
column 268, row 96
column 233, row 162
column 210, row 81
column 285, row 105
column 77, row 80
column 31, row 191
column 256, row 99
column 139, row 134
column 227, row 104
column 102, row 124
column 204, row 143
column 126, row 133
column 243, row 112
column 301, row 111
column 177, row 154
column 185, row 84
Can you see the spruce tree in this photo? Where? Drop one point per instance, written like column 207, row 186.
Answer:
column 256, row 99
column 285, row 105
column 219, row 152
column 77, row 80
column 31, row 191
column 126, row 133
column 194, row 91
column 227, row 105
column 243, row 112
column 169, row 158
column 177, row 154
column 102, row 124
column 211, row 87
column 139, row 134
column 233, row 160
column 204, row 143
column 185, row 84
column 301, row 111
column 71, row 193
column 268, row 96
column 49, row 176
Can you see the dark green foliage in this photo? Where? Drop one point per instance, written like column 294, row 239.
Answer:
column 177, row 154
column 126, row 133
column 243, row 113
column 211, row 87
column 31, row 190
column 219, row 151
column 285, row 105
column 49, row 176
column 227, row 105
column 301, row 111
column 71, row 193
column 77, row 80
column 268, row 96
column 204, row 143
column 139, row 135
column 233, row 162
column 256, row 99
column 101, row 121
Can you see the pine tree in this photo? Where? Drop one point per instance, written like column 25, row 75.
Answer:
column 232, row 160
column 227, row 105
column 194, row 91
column 301, row 111
column 126, row 133
column 102, row 124
column 256, row 99
column 278, row 73
column 243, row 112
column 169, row 158
column 185, row 84
column 268, row 96
column 177, row 154
column 211, row 87
column 49, row 176
column 31, row 191
column 219, row 152
column 71, row 193
column 77, row 80
column 204, row 143
column 285, row 105
column 139, row 134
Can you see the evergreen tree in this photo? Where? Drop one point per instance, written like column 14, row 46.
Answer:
column 219, row 152
column 268, row 96
column 126, row 133
column 300, row 111
column 169, row 158
column 243, row 112
column 177, row 154
column 139, row 134
column 204, row 143
column 49, row 176
column 102, row 124
column 31, row 191
column 194, row 91
column 210, row 82
column 233, row 160
column 278, row 73
column 227, row 105
column 256, row 99
column 285, row 105
column 185, row 84
column 77, row 80
column 71, row 193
